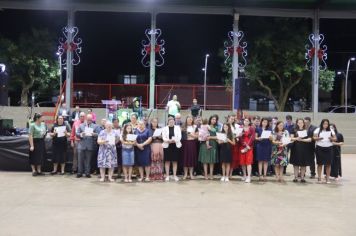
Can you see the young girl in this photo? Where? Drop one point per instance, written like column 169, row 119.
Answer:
column 204, row 133
column 128, row 154
column 279, row 150
column 246, row 149
column 225, row 152
column 263, row 149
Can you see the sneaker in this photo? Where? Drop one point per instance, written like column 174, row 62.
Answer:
column 243, row 178
column 248, row 180
column 166, row 179
column 222, row 179
column 139, row 179
column 176, row 178
column 101, row 179
column 147, row 180
column 126, row 180
column 130, row 180
column 227, row 179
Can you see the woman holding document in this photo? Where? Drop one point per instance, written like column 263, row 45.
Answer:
column 128, row 153
column 143, row 150
column 324, row 136
column 263, row 147
column 60, row 132
column 301, row 154
column 226, row 141
column 190, row 152
column 107, row 155
column 156, row 151
column 246, row 149
column 280, row 141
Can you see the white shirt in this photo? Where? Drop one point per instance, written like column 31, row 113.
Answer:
column 172, row 107
column 323, row 142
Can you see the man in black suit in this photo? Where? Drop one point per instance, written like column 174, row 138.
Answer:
column 75, row 114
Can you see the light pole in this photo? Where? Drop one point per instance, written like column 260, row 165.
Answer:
column 60, row 71
column 205, row 69
column 342, row 98
column 346, row 77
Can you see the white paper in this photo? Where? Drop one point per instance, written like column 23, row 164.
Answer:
column 221, row 137
column 190, row 129
column 111, row 139
column 60, row 131
column 64, row 113
column 238, row 131
column 88, row 131
column 286, row 140
column 302, row 134
column 157, row 133
column 266, row 134
column 325, row 135
column 131, row 137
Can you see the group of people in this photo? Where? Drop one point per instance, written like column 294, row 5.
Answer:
column 157, row 152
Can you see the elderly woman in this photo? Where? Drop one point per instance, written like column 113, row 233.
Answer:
column 107, row 156
column 143, row 150
column 60, row 132
column 172, row 136
column 37, row 133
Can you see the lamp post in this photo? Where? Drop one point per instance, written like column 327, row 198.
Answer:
column 342, row 95
column 205, row 69
column 60, row 71
column 346, row 77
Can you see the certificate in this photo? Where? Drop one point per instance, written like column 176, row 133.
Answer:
column 266, row 134
column 286, row 140
column 302, row 134
column 88, row 131
column 190, row 129
column 111, row 139
column 325, row 135
column 60, row 131
column 221, row 137
column 157, row 133
column 131, row 137
column 238, row 131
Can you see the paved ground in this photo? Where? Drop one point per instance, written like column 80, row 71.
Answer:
column 63, row 205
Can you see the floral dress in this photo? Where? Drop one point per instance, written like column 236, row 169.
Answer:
column 107, row 155
column 280, row 154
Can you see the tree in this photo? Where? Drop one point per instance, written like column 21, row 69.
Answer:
column 30, row 61
column 276, row 61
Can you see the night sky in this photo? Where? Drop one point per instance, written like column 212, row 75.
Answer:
column 112, row 43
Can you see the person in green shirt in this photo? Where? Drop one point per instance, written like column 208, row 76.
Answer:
column 173, row 106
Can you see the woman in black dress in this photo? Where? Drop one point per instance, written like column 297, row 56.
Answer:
column 60, row 132
column 336, row 163
column 226, row 152
column 301, row 154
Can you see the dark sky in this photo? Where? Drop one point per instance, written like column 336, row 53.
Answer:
column 112, row 42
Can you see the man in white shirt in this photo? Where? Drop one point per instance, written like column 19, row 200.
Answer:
column 173, row 106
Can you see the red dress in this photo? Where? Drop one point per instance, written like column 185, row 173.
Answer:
column 235, row 156
column 245, row 140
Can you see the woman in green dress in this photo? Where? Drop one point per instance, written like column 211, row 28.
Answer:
column 209, row 155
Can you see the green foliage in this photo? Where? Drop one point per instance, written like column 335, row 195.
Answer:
column 31, row 62
column 326, row 80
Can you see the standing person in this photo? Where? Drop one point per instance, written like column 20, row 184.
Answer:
column 289, row 126
column 171, row 135
column 107, row 155
column 209, row 156
column 143, row 150
column 94, row 158
column 117, row 129
column 324, row 136
column 336, row 170
column 226, row 152
column 263, row 149
column 75, row 114
column 156, row 152
column 59, row 145
column 246, row 149
column 190, row 152
column 235, row 161
column 128, row 153
column 195, row 108
column 310, row 128
column 133, row 121
column 93, row 115
column 204, row 133
column 279, row 150
column 87, row 133
column 197, row 121
column 301, row 155
column 74, row 140
column 178, row 119
column 37, row 133
column 64, row 112
column 255, row 124
column 173, row 106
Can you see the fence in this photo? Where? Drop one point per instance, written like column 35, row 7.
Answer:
column 90, row 95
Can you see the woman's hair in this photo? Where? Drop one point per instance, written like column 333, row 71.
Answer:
column 185, row 125
column 277, row 124
column 124, row 133
column 134, row 114
column 263, row 119
column 296, row 127
column 247, row 118
column 212, row 117
column 321, row 125
column 151, row 123
column 229, row 131
column 170, row 118
column 58, row 119
column 36, row 116
column 334, row 127
column 205, row 121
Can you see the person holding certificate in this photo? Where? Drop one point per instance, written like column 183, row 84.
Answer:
column 246, row 149
column 263, row 147
column 226, row 151
column 324, row 136
column 190, row 150
column 60, row 132
column 279, row 150
column 143, row 150
column 128, row 153
column 107, row 155
column 156, row 172
column 301, row 155
column 172, row 136
column 236, row 131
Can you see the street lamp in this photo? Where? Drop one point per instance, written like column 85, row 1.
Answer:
column 60, row 71
column 346, row 77
column 205, row 69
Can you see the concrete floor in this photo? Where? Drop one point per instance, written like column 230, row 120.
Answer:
column 64, row 205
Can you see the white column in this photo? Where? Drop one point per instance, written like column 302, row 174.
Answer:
column 152, row 61
column 69, row 71
column 315, row 86
column 235, row 64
